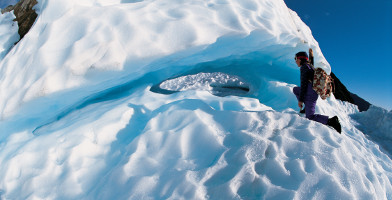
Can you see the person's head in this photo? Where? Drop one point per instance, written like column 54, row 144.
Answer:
column 301, row 58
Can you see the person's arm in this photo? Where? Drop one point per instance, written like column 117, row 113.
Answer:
column 311, row 58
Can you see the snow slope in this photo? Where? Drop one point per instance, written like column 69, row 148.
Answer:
column 173, row 99
column 8, row 33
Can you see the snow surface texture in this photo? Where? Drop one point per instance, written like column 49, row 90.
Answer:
column 82, row 116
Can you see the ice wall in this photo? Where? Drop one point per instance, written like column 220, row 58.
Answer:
column 99, row 44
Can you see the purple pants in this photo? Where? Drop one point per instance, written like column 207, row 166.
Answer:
column 310, row 104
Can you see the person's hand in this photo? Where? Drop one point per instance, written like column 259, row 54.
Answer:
column 310, row 52
column 300, row 104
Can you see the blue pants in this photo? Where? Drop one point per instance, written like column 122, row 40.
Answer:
column 310, row 104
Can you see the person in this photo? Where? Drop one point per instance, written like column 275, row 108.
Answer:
column 306, row 95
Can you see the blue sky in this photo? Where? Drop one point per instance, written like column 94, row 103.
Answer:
column 5, row 3
column 356, row 39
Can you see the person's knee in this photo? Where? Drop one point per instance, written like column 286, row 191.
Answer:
column 310, row 117
column 310, row 109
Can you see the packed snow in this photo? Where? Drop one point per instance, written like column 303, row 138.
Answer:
column 85, row 111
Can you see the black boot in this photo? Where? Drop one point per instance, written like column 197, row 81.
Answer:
column 302, row 111
column 334, row 122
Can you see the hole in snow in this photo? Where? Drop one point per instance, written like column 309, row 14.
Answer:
column 218, row 83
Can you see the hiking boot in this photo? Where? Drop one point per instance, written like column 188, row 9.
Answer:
column 334, row 122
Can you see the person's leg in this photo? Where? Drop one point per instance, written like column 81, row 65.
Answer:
column 310, row 110
column 296, row 91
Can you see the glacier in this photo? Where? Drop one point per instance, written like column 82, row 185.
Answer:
column 174, row 99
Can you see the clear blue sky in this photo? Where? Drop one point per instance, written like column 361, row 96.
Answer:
column 355, row 36
column 5, row 3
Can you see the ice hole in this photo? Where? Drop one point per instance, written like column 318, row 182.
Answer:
column 218, row 83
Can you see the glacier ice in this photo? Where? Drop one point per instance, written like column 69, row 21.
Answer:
column 78, row 119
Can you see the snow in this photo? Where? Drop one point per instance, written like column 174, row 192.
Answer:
column 219, row 83
column 8, row 33
column 175, row 99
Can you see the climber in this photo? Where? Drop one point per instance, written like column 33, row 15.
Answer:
column 306, row 95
